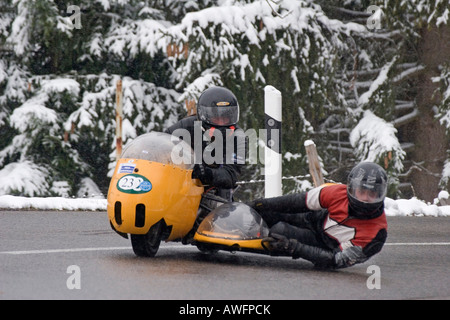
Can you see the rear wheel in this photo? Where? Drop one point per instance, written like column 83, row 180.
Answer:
column 147, row 245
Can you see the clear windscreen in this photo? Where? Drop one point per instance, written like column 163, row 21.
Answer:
column 234, row 220
column 160, row 147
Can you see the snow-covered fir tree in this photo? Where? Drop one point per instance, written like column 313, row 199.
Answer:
column 342, row 82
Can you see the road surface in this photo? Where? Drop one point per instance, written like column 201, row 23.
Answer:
column 75, row 255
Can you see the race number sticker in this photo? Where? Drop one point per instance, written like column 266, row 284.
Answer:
column 134, row 183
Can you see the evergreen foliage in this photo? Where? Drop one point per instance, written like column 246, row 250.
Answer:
column 349, row 88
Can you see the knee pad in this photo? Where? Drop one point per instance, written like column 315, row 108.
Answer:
column 279, row 228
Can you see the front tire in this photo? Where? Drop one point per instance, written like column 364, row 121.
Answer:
column 147, row 245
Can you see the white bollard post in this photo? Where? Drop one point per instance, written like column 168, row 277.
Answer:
column 272, row 159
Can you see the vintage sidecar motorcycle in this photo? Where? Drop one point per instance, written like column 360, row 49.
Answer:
column 152, row 197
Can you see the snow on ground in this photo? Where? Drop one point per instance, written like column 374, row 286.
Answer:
column 52, row 203
column 416, row 207
column 401, row 207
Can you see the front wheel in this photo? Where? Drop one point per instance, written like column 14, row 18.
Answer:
column 147, row 245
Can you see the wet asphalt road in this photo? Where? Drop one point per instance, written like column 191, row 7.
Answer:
column 38, row 248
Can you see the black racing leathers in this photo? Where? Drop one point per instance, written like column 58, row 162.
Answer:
column 221, row 159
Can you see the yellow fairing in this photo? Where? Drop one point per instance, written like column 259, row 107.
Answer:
column 254, row 244
column 143, row 192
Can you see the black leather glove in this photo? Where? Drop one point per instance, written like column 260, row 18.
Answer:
column 279, row 245
column 203, row 173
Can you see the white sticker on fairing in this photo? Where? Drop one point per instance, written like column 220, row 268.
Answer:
column 126, row 167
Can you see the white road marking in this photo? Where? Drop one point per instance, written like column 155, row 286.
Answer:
column 418, row 244
column 25, row 252
column 64, row 250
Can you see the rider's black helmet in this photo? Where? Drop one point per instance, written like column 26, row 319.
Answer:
column 218, row 106
column 366, row 189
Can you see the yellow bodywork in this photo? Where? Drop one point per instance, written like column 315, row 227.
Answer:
column 162, row 191
column 227, row 240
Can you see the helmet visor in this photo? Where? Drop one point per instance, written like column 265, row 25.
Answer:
column 368, row 191
column 220, row 116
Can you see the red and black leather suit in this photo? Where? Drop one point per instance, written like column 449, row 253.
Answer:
column 326, row 229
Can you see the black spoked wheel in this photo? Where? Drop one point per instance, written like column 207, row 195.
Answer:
column 147, row 245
